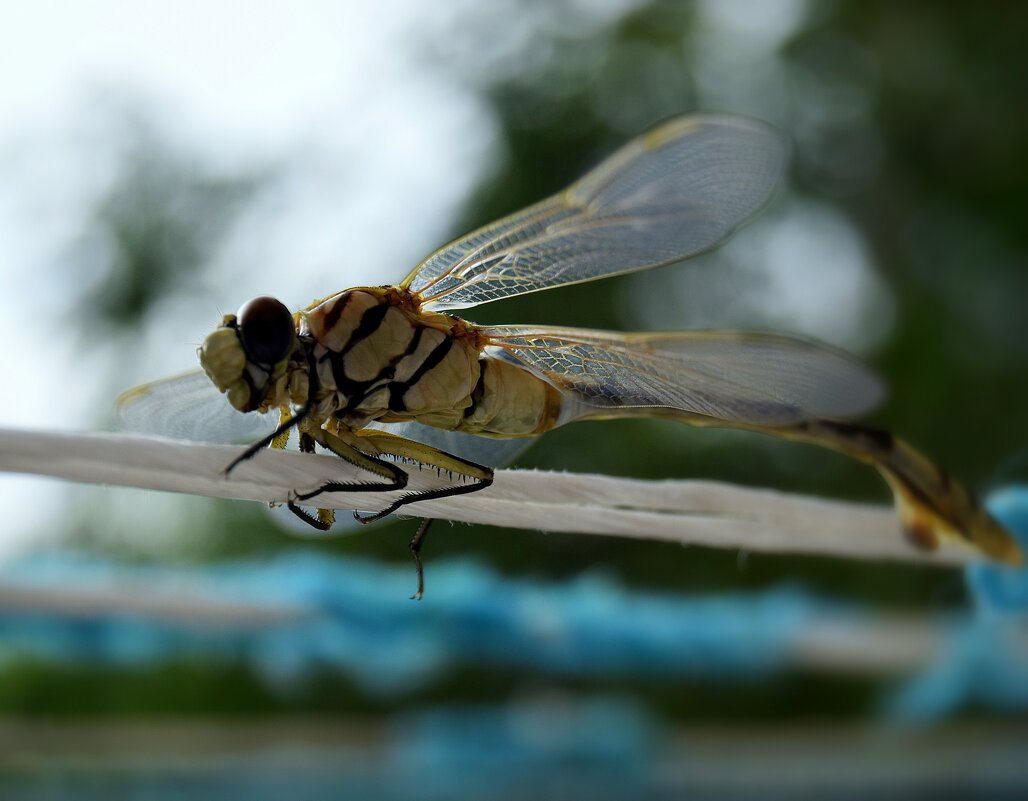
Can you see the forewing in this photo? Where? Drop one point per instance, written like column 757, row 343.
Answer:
column 668, row 195
column 188, row 406
column 761, row 379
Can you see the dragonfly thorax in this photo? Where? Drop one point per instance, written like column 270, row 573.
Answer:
column 376, row 356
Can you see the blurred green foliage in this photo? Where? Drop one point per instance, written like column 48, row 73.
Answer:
column 228, row 689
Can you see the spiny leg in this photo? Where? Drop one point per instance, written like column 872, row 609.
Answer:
column 323, row 521
column 325, row 517
column 277, row 438
column 395, row 478
column 427, row 495
column 363, row 449
column 383, row 443
column 386, row 444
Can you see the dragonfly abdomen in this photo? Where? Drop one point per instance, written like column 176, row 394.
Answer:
column 509, row 401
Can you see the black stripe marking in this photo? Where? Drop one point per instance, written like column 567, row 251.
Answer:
column 874, row 440
column 369, row 324
column 399, row 388
column 479, row 390
column 411, row 347
column 336, row 312
column 347, row 386
column 880, row 445
column 357, row 391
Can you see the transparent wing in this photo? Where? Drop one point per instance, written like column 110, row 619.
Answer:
column 761, row 379
column 188, row 406
column 668, row 195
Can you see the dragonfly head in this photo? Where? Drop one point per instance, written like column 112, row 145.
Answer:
column 252, row 355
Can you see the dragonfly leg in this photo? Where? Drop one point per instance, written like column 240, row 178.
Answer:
column 279, row 435
column 284, row 427
column 322, row 522
column 469, row 476
column 415, row 548
column 365, row 449
column 392, row 477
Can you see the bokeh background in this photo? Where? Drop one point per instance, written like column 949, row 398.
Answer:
column 161, row 163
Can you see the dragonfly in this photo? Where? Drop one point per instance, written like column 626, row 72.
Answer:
column 342, row 369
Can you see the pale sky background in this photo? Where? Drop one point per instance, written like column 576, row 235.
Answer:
column 374, row 111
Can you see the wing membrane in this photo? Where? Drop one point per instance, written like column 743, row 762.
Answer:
column 760, row 379
column 188, row 406
column 668, row 195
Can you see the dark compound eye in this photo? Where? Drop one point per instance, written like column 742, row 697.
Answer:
column 266, row 329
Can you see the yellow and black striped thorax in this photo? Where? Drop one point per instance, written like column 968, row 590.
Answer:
column 376, row 356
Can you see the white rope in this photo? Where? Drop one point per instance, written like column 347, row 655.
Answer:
column 690, row 512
